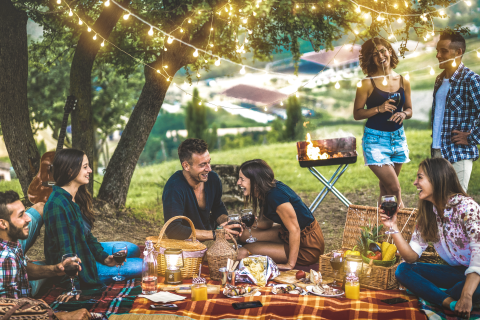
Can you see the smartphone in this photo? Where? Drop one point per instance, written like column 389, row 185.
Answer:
column 247, row 305
column 165, row 306
column 394, row 300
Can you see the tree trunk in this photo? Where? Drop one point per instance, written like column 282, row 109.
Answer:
column 81, row 82
column 120, row 169
column 14, row 114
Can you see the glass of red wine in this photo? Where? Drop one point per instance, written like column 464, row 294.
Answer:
column 336, row 261
column 71, row 265
column 119, row 252
column 248, row 219
column 234, row 218
column 395, row 96
column 389, row 205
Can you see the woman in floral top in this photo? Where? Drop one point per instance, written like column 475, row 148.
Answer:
column 451, row 220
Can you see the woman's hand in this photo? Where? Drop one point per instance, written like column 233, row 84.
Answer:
column 464, row 307
column 387, row 107
column 398, row 117
column 286, row 266
column 387, row 221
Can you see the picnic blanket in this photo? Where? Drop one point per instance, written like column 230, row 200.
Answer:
column 117, row 297
column 291, row 306
column 436, row 313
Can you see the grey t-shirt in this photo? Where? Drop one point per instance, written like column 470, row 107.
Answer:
column 440, row 100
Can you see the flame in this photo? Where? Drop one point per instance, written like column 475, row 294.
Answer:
column 313, row 153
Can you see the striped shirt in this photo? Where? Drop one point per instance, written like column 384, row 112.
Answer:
column 13, row 267
column 462, row 113
column 65, row 233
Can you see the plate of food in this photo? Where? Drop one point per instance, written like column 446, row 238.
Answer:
column 240, row 291
column 325, row 291
column 287, row 288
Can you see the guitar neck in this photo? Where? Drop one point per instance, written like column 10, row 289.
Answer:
column 63, row 131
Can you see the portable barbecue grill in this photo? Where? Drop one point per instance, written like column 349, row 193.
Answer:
column 327, row 152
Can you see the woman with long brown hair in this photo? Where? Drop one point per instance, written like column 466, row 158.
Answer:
column 450, row 219
column 69, row 218
column 297, row 237
column 387, row 98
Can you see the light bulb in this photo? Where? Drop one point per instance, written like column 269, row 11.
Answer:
column 199, row 12
column 181, row 30
column 359, row 84
column 70, row 13
column 254, row 13
column 478, row 54
column 195, row 54
column 89, row 29
column 337, row 85
column 189, row 20
column 168, row 79
column 399, row 20
column 355, row 31
column 250, row 31
column 165, row 48
column 379, row 18
column 242, row 71
column 441, row 12
column 265, row 109
column 335, row 61
column 328, row 5
column 468, row 3
column 391, row 36
column 59, row 1
column 165, row 67
column 107, row 3
column 80, row 22
column 206, row 61
column 407, row 76
column 126, row 16
column 358, row 9
column 245, row 20
column 95, row 37
column 211, row 45
column 198, row 75
column 281, row 103
column 395, row 6
column 425, row 38
column 150, row 32
column 170, row 40
column 432, row 72
column 216, row 109
column 384, row 82
column 406, row 4
column 313, row 7
column 454, row 64
column 103, row 43
column 158, row 71
column 217, row 63
column 297, row 94
column 200, row 103
column 366, row 15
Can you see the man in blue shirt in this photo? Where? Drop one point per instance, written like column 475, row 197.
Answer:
column 196, row 193
column 456, row 108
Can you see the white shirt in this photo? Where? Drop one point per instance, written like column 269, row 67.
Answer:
column 440, row 100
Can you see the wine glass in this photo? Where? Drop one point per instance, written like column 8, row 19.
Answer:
column 396, row 97
column 235, row 219
column 389, row 205
column 70, row 263
column 336, row 261
column 248, row 219
column 119, row 252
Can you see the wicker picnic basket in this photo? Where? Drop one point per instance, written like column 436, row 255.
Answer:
column 193, row 250
column 382, row 278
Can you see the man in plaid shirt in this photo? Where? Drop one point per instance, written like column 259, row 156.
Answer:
column 15, row 270
column 456, row 108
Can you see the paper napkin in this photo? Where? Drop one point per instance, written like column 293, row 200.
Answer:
column 163, row 297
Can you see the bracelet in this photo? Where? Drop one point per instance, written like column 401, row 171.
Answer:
column 404, row 114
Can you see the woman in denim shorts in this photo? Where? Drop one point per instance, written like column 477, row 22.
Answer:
column 384, row 143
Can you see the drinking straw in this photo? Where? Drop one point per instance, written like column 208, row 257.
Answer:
column 235, row 265
column 377, row 218
column 407, row 220
column 200, row 270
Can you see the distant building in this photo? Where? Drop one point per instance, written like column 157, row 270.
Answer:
column 254, row 96
column 5, row 172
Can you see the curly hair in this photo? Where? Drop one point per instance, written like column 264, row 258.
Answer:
column 6, row 198
column 366, row 55
column 189, row 147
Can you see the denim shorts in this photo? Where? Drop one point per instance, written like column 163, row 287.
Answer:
column 384, row 148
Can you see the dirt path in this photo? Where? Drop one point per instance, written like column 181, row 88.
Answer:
column 331, row 214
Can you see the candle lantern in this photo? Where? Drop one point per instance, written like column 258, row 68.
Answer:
column 174, row 261
column 353, row 264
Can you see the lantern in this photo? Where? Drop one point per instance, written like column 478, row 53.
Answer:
column 174, row 261
column 353, row 264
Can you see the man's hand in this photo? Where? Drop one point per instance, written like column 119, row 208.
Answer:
column 80, row 314
column 109, row 261
column 464, row 307
column 230, row 228
column 460, row 137
column 59, row 269
column 65, row 297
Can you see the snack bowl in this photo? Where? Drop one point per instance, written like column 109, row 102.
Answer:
column 240, row 291
column 327, row 291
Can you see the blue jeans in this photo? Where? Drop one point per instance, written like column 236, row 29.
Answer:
column 426, row 279
column 132, row 268
column 34, row 230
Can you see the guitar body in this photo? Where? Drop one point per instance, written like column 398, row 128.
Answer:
column 41, row 187
column 39, row 190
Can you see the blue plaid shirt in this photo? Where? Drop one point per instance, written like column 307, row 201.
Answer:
column 462, row 113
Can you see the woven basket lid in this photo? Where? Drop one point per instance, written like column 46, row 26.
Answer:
column 186, row 245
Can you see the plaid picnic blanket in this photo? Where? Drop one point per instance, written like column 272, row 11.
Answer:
column 291, row 306
column 117, row 297
column 436, row 313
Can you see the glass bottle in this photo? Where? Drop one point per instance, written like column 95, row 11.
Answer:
column 199, row 289
column 149, row 270
column 352, row 286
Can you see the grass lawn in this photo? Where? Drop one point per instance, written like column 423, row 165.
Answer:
column 144, row 197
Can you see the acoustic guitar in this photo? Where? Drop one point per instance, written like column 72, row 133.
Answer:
column 41, row 187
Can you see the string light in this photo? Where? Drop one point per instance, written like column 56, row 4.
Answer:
column 89, row 29
column 281, row 103
column 200, row 103
column 198, row 75
column 468, row 3
column 407, row 76
column 95, row 37
column 242, row 71
column 165, row 67
column 384, row 82
column 337, row 85
column 355, row 31
column 296, row 94
column 478, row 54
column 265, row 108
column 70, row 13
column 454, row 64
column 358, row 9
column 80, row 22
column 399, row 20
column 158, row 71
column 126, row 16
column 107, row 3
column 216, row 109
column 432, row 72
column 189, row 20
column 103, row 43
column 217, row 63
column 150, row 32
column 59, row 1
column 441, row 12
column 195, row 54
column 170, row 40
column 359, row 84
column 165, row 48
column 168, row 79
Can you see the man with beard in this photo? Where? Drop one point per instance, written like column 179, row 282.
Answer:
column 196, row 193
column 15, row 270
column 456, row 108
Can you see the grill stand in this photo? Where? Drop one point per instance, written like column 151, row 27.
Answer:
column 328, row 186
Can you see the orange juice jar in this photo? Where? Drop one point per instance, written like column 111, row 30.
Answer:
column 199, row 289
column 352, row 287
